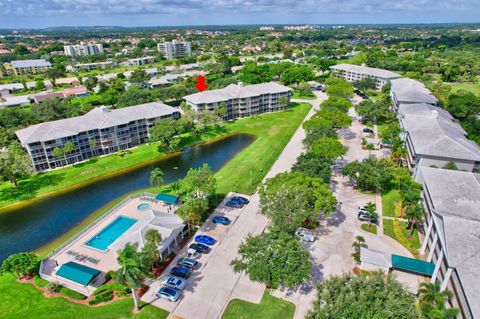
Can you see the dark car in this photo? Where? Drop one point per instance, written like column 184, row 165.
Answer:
column 204, row 239
column 181, row 271
column 368, row 218
column 188, row 262
column 240, row 199
column 234, row 204
column 367, row 130
column 221, row 220
column 201, row 248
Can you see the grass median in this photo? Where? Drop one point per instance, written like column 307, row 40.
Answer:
column 273, row 130
column 269, row 308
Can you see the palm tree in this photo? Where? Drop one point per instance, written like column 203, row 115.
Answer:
column 283, row 101
column 153, row 240
column 371, row 209
column 130, row 272
column 411, row 198
column 156, row 178
column 359, row 240
column 440, row 310
column 429, row 292
column 415, row 217
column 433, row 301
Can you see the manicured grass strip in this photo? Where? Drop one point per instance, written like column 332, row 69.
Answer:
column 26, row 302
column 471, row 87
column 273, row 132
column 389, row 200
column 269, row 308
column 369, row 228
column 299, row 95
column 396, row 230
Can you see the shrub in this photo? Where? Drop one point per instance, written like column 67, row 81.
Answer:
column 40, row 282
column 103, row 297
column 119, row 289
column 72, row 294
column 53, row 287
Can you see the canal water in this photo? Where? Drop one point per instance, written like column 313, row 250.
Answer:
column 33, row 226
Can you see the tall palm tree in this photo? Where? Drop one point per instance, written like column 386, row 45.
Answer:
column 411, row 198
column 130, row 272
column 440, row 310
column 153, row 240
column 415, row 217
column 433, row 301
column 156, row 178
column 430, row 291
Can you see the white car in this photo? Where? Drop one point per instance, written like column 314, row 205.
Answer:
column 192, row 253
column 305, row 235
column 173, row 282
column 168, row 293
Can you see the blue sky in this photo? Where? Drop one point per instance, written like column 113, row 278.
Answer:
column 45, row 13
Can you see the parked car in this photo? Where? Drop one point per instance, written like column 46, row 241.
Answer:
column 240, row 199
column 188, row 262
column 221, row 220
column 181, row 271
column 206, row 240
column 367, row 130
column 192, row 253
column 173, row 282
column 234, row 204
column 201, row 248
column 304, row 235
column 368, row 218
column 168, row 293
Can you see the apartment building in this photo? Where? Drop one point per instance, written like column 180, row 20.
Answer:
column 83, row 49
column 242, row 101
column 90, row 66
column 175, row 49
column 99, row 132
column 354, row 73
column 452, row 230
column 139, row 61
column 22, row 67
column 431, row 135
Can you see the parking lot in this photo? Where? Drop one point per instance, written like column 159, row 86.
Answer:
column 210, row 286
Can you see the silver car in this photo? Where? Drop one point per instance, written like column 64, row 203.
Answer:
column 304, row 235
column 168, row 293
column 173, row 282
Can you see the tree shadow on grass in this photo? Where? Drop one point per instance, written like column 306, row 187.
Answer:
column 29, row 188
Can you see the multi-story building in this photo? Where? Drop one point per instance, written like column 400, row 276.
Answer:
column 139, row 61
column 101, row 131
column 242, row 101
column 452, row 234
column 354, row 73
column 175, row 49
column 90, row 66
column 83, row 49
column 431, row 136
column 21, row 67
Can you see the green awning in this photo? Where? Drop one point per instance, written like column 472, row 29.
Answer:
column 78, row 273
column 167, row 198
column 413, row 265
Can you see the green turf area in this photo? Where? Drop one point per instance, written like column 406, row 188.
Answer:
column 299, row 95
column 471, row 87
column 369, row 228
column 24, row 301
column 396, row 230
column 269, row 308
column 389, row 200
column 273, row 131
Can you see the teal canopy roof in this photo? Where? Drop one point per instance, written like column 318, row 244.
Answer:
column 412, row 265
column 79, row 273
column 167, row 198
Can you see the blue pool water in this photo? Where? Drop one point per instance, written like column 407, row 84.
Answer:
column 143, row 206
column 109, row 234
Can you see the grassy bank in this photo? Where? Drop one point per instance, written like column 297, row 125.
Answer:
column 470, row 87
column 390, row 200
column 25, row 301
column 275, row 126
column 269, row 308
column 397, row 230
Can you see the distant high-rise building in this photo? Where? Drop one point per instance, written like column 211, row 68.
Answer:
column 83, row 49
column 175, row 49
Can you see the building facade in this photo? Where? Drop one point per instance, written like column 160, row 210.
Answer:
column 354, row 73
column 99, row 132
column 175, row 49
column 452, row 231
column 21, row 67
column 83, row 49
column 242, row 101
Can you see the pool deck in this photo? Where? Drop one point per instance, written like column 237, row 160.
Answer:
column 107, row 260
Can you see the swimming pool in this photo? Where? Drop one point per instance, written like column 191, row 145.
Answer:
column 109, row 234
column 143, row 206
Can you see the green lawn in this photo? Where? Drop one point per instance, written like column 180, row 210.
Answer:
column 369, row 228
column 269, row 308
column 471, row 87
column 396, row 230
column 388, row 202
column 299, row 95
column 24, row 301
column 273, row 131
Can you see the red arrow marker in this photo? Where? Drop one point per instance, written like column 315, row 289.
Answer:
column 201, row 85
